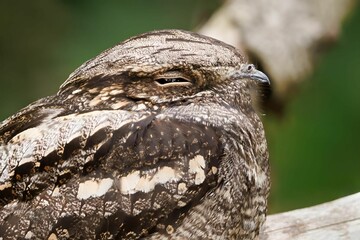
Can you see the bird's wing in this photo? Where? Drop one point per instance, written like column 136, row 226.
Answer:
column 105, row 173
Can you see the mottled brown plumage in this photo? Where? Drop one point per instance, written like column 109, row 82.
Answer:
column 155, row 138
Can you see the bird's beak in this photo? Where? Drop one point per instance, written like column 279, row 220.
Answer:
column 252, row 74
column 260, row 76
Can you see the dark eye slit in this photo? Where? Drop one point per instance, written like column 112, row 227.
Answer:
column 163, row 81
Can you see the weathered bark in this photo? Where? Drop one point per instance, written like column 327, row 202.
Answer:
column 336, row 220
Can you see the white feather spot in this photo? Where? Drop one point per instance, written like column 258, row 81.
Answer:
column 182, row 188
column 76, row 91
column 133, row 183
column 181, row 204
column 56, row 192
column 164, row 175
column 128, row 183
column 52, row 237
column 5, row 185
column 197, row 166
column 94, row 188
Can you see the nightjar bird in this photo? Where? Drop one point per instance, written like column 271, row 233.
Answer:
column 155, row 138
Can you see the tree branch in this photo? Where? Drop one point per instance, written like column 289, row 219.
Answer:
column 339, row 219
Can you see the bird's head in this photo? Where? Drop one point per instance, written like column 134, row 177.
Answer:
column 160, row 68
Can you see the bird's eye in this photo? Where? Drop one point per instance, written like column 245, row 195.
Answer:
column 164, row 81
column 172, row 79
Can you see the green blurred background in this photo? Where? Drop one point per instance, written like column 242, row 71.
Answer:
column 314, row 147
